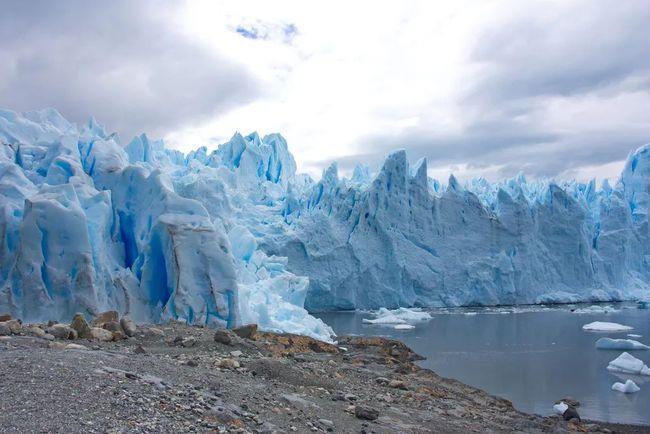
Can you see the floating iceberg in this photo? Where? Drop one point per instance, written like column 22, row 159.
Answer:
column 601, row 326
column 633, row 335
column 628, row 364
column 620, row 344
column 628, row 387
column 404, row 327
column 398, row 316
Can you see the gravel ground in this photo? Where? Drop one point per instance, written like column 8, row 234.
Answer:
column 176, row 378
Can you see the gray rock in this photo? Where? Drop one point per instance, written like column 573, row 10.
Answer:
column 139, row 350
column 112, row 326
column 326, row 423
column 128, row 326
column 100, row 334
column 62, row 331
column 5, row 330
column 571, row 402
column 571, row 413
column 224, row 337
column 365, row 412
column 397, row 384
column 36, row 331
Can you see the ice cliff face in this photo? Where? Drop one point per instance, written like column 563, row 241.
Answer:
column 88, row 223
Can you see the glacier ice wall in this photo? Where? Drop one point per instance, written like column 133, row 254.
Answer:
column 89, row 223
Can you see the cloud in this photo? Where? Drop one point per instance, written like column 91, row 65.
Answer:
column 553, row 88
column 127, row 63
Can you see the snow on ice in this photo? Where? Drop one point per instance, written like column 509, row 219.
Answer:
column 602, row 326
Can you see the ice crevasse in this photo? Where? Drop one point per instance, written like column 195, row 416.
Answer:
column 235, row 235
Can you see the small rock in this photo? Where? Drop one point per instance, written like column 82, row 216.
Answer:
column 349, row 397
column 75, row 347
column 100, row 334
column 364, row 412
column 104, row 317
column 247, row 331
column 326, row 423
column 112, row 326
column 236, row 353
column 5, row 330
column 189, row 341
column 193, row 363
column 62, row 331
column 15, row 326
column 80, row 325
column 5, row 317
column 48, row 337
column 397, row 384
column 128, row 326
column 382, row 380
column 223, row 336
column 571, row 413
column 139, row 350
column 35, row 331
column 228, row 364
column 571, row 402
column 155, row 331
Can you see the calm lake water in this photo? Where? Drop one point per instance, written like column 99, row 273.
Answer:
column 530, row 355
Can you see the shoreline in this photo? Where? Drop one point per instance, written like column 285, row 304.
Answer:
column 175, row 377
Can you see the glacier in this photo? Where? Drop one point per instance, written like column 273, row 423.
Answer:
column 235, row 235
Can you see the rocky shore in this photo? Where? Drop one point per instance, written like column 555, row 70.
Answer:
column 112, row 376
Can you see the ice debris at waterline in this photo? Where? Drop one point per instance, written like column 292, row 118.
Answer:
column 601, row 326
column 628, row 364
column 620, row 344
column 404, row 327
column 89, row 223
column 628, row 387
column 560, row 408
column 398, row 316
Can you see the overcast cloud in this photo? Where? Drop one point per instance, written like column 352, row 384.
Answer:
column 480, row 88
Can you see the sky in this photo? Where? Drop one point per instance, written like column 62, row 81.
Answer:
column 480, row 88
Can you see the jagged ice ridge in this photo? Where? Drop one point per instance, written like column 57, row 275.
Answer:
column 235, row 235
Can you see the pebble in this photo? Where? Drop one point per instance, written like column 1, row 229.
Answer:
column 365, row 412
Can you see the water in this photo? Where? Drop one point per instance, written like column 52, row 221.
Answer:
column 531, row 356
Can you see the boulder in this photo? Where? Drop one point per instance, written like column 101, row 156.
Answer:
column 100, row 334
column 35, row 331
column 224, row 336
column 62, row 331
column 113, row 326
column 15, row 326
column 5, row 330
column 571, row 413
column 247, row 331
column 128, row 326
column 5, row 317
column 104, row 317
column 80, row 325
column 118, row 335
